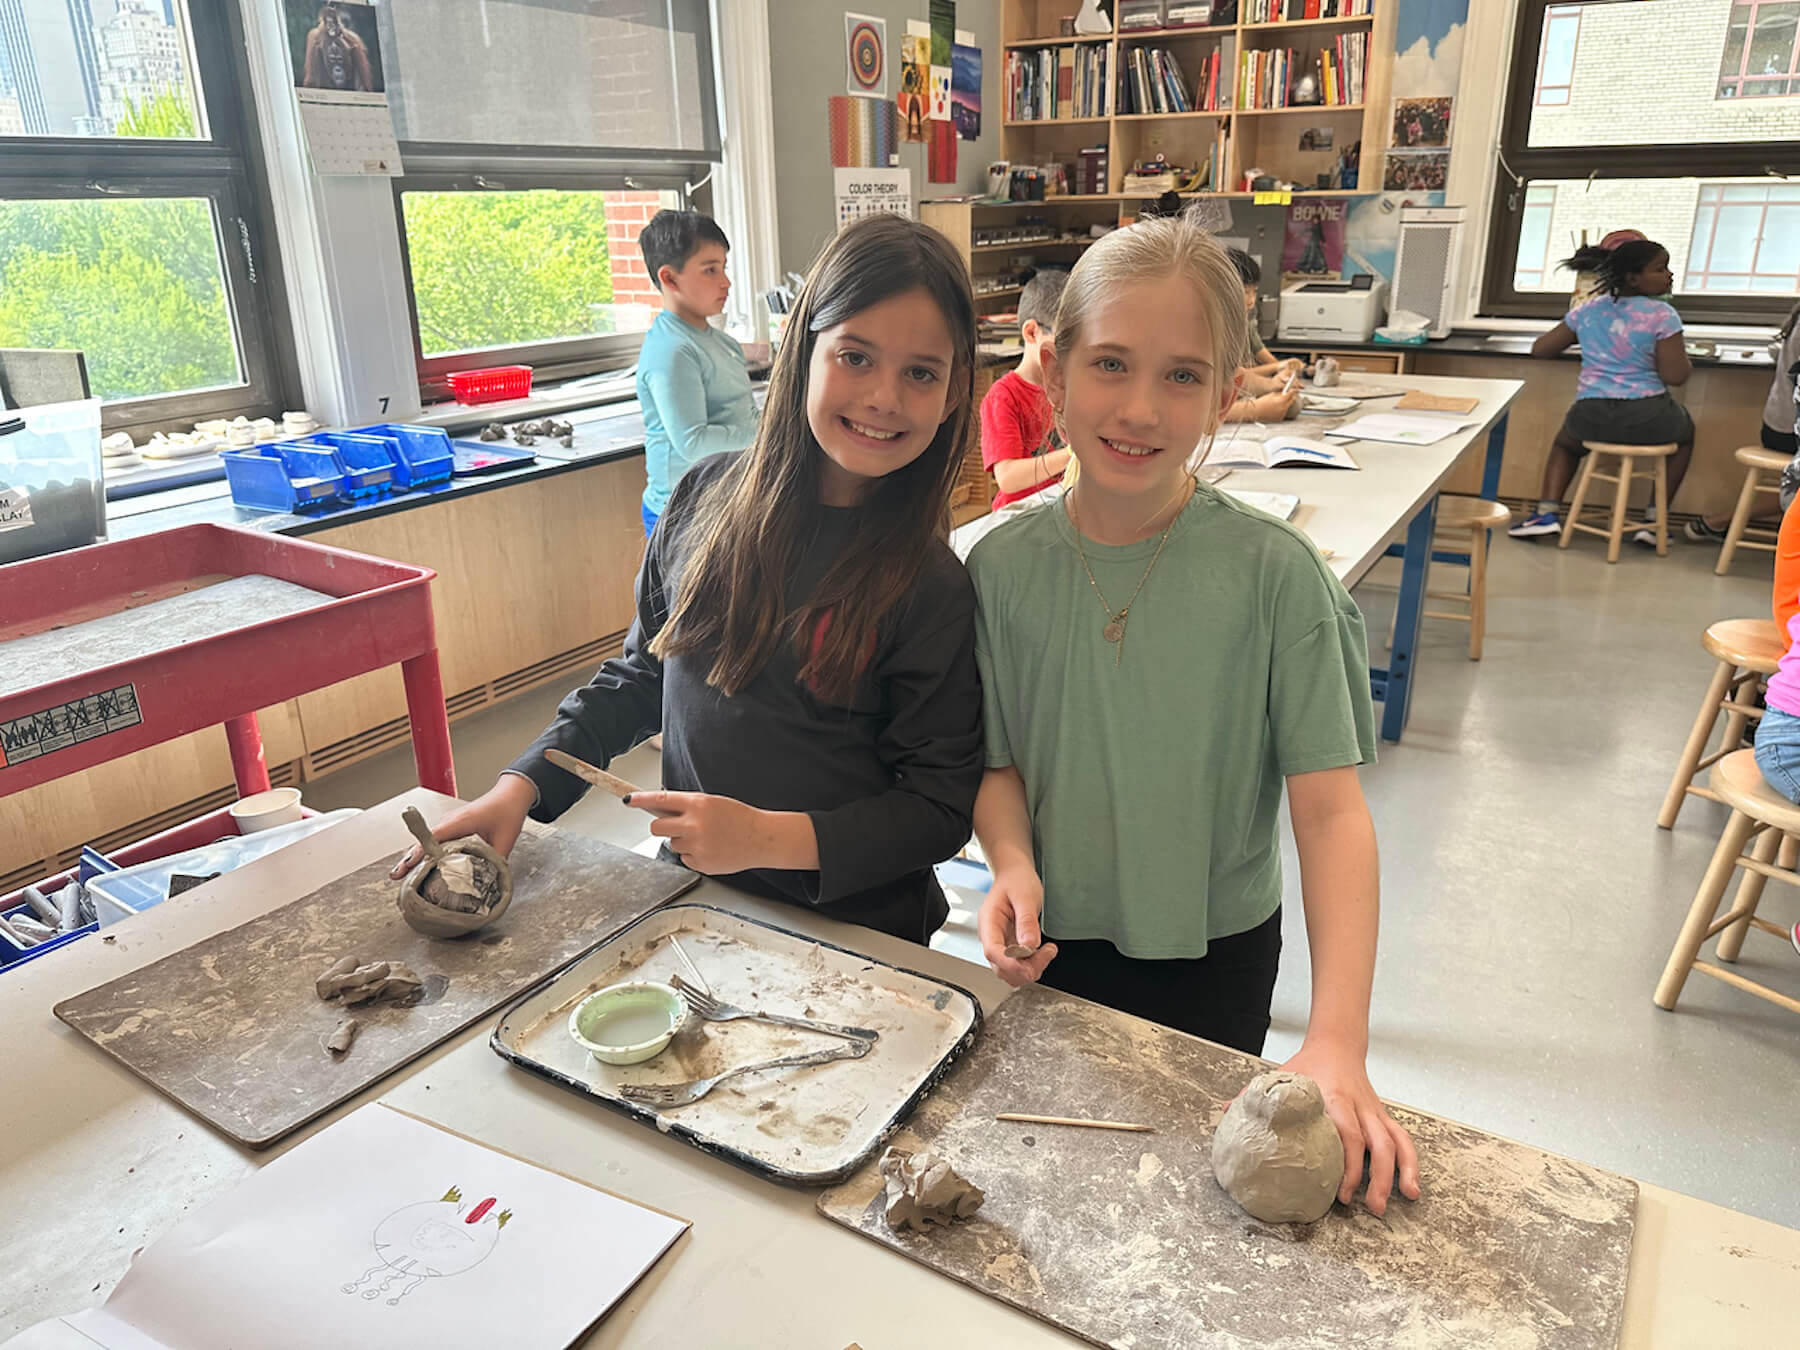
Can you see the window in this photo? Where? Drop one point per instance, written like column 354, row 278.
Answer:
column 130, row 225
column 506, row 269
column 1746, row 239
column 1762, row 50
column 1556, row 61
column 1585, row 152
column 537, row 140
column 1532, row 269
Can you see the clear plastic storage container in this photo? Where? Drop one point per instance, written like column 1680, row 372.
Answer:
column 51, row 494
column 131, row 890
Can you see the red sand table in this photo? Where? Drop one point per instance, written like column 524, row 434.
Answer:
column 84, row 704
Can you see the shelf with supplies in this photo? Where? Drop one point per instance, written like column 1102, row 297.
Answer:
column 1169, row 91
column 1216, row 30
column 1343, row 21
column 1059, row 41
column 1318, row 108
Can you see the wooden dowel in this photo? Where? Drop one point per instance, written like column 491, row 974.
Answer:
column 1065, row 1120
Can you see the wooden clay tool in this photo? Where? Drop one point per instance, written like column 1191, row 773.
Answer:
column 1068, row 1120
column 600, row 778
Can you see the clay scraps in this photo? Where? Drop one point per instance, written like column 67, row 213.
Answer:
column 353, row 982
column 527, row 433
column 923, row 1189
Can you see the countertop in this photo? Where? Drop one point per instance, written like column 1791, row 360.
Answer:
column 608, row 432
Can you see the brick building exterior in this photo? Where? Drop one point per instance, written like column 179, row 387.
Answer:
column 1613, row 101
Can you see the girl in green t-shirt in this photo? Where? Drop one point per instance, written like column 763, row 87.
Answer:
column 1159, row 662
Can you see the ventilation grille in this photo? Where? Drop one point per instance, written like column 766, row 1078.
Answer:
column 459, row 705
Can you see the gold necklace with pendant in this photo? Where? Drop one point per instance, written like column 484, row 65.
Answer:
column 1114, row 631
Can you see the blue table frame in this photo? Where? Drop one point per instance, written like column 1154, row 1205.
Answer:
column 1392, row 685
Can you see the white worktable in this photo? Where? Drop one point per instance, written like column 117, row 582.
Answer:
column 94, row 1164
column 1357, row 514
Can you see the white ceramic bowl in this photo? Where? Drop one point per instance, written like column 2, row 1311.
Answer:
column 266, row 810
column 628, row 1023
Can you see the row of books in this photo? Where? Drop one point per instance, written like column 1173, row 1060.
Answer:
column 1278, row 11
column 1057, row 82
column 1267, row 79
column 1151, row 81
column 1343, row 67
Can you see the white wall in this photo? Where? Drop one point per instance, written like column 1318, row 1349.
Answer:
column 806, row 60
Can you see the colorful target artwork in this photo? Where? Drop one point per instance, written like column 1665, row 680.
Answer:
column 865, row 54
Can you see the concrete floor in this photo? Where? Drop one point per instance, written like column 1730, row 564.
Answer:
column 1530, row 901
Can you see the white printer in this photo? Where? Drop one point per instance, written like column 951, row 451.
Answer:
column 1332, row 311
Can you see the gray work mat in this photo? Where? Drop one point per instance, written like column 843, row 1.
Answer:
column 146, row 629
column 1127, row 1240
column 232, row 1028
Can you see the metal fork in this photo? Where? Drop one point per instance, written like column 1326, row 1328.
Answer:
column 685, row 1094
column 713, row 1009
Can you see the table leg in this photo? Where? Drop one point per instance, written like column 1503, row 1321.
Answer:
column 1496, row 451
column 430, row 723
column 1395, row 689
column 244, row 739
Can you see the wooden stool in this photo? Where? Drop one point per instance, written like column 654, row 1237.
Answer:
column 1477, row 516
column 1747, row 650
column 1742, row 534
column 1627, row 455
column 1756, row 810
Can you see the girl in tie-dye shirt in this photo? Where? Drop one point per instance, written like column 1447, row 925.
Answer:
column 1631, row 353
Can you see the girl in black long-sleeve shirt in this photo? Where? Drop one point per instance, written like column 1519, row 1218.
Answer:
column 804, row 638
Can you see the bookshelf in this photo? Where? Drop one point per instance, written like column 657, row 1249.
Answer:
column 1239, row 139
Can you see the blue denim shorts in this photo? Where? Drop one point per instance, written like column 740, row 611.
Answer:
column 1778, row 751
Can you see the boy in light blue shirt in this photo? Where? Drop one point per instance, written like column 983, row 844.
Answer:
column 691, row 380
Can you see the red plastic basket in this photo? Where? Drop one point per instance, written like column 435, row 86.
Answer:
column 493, row 385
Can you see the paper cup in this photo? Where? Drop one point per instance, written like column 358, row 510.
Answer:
column 266, row 810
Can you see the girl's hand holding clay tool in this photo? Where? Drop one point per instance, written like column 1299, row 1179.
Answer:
column 721, row 835
column 1008, row 925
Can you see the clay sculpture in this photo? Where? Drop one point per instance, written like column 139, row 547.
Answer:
column 456, row 888
column 1277, row 1153
column 923, row 1189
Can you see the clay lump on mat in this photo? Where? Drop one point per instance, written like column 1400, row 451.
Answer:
column 527, row 433
column 1277, row 1153
column 923, row 1189
column 352, row 982
column 343, row 1036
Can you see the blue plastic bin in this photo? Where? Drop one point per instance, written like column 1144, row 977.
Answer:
column 295, row 478
column 12, row 954
column 367, row 462
column 422, row 455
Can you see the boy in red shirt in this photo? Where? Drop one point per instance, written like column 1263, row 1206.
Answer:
column 1020, row 445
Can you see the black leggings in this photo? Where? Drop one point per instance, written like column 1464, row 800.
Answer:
column 1223, row 996
column 1784, row 441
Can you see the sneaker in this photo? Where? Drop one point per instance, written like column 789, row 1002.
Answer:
column 1533, row 526
column 1699, row 532
column 1645, row 537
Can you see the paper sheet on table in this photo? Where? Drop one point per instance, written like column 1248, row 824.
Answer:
column 1402, row 428
column 381, row 1230
column 1280, row 452
column 1281, row 505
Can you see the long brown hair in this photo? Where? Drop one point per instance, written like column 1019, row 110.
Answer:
column 755, row 521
